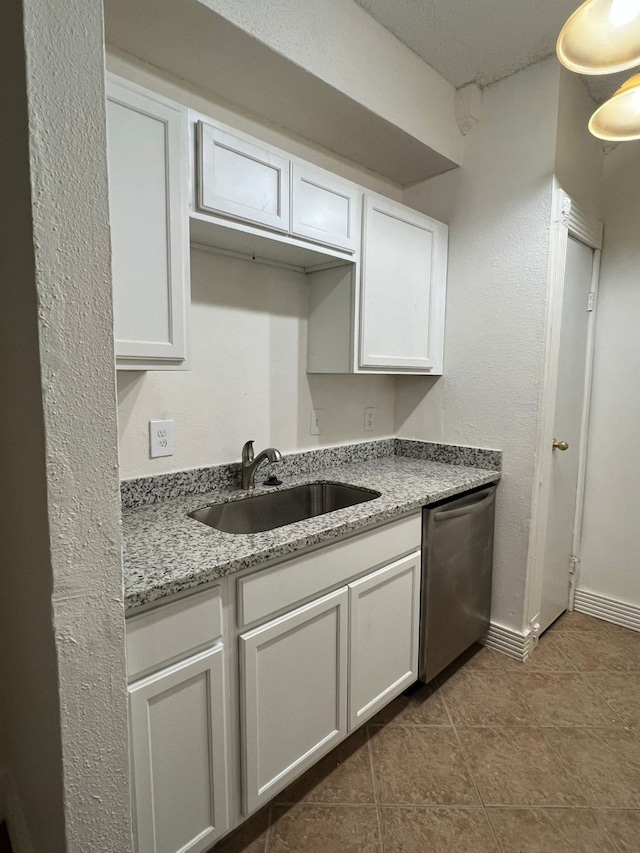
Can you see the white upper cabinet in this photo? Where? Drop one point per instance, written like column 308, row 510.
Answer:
column 256, row 201
column 324, row 208
column 147, row 161
column 386, row 313
column 402, row 297
column 376, row 269
column 241, row 178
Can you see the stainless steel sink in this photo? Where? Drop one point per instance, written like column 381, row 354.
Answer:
column 275, row 509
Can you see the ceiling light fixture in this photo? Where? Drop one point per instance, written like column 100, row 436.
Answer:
column 602, row 36
column 618, row 119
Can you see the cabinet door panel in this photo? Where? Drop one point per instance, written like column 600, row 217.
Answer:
column 403, row 288
column 242, row 179
column 178, row 755
column 148, row 214
column 323, row 208
column 384, row 612
column 294, row 682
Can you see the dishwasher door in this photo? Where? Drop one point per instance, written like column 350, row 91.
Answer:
column 457, row 560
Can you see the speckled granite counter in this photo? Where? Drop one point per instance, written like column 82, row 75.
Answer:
column 166, row 552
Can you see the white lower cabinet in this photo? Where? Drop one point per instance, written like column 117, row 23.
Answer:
column 293, row 694
column 178, row 755
column 305, row 674
column 267, row 671
column 383, row 636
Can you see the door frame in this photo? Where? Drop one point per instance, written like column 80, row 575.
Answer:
column 568, row 220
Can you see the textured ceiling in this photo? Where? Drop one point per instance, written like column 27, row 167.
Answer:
column 482, row 40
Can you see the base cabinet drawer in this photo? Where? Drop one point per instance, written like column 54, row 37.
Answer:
column 177, row 630
column 293, row 676
column 178, row 754
column 383, row 636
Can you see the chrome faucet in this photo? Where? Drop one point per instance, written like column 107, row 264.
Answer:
column 250, row 464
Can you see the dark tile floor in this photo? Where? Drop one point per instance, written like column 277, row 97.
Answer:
column 497, row 757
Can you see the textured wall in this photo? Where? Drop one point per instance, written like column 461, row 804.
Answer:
column 64, row 65
column 498, row 207
column 579, row 157
column 338, row 42
column 31, row 784
column 610, row 548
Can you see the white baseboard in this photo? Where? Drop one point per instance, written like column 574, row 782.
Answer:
column 516, row 644
column 609, row 609
column 12, row 810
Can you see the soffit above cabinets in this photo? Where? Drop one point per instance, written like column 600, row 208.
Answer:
column 196, row 45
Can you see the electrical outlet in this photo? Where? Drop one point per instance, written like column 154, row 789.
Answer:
column 316, row 421
column 369, row 418
column 161, row 438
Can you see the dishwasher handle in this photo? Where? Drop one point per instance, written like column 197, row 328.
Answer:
column 482, row 499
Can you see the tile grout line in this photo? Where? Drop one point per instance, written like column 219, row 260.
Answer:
column 471, row 776
column 574, row 779
column 606, row 831
column 556, row 752
column 268, row 832
column 583, row 675
column 604, row 698
column 375, row 786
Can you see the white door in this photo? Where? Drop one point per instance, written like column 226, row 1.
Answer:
column 178, row 754
column 383, row 633
column 294, row 694
column 569, row 407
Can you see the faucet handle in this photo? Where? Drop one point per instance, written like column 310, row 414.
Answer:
column 247, row 452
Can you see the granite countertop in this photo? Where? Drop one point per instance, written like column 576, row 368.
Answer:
column 166, row 552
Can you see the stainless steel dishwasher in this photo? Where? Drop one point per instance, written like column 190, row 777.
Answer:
column 457, row 558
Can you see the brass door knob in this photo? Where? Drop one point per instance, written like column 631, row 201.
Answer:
column 559, row 445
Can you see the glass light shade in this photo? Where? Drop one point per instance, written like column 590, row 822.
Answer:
column 602, row 36
column 618, row 119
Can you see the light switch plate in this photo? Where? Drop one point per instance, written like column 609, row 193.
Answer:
column 369, row 418
column 161, row 438
column 316, row 421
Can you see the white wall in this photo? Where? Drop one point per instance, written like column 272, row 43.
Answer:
column 248, row 349
column 63, row 690
column 498, row 207
column 247, row 377
column 579, row 156
column 610, row 550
